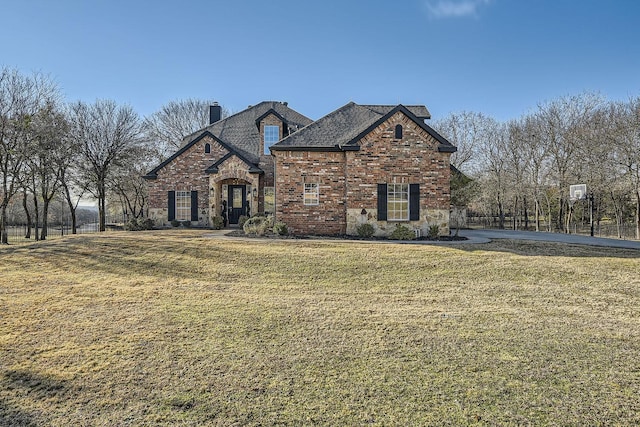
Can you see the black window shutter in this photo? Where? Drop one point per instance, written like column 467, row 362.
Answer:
column 414, row 202
column 171, row 205
column 382, row 202
column 194, row 205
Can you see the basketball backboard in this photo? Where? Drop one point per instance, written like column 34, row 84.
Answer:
column 577, row 192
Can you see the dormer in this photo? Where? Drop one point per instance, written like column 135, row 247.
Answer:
column 272, row 127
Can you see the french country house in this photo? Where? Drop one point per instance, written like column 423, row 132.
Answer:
column 376, row 164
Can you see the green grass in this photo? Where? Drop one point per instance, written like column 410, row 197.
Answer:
column 173, row 328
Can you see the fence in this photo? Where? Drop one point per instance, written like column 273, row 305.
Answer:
column 626, row 231
column 16, row 233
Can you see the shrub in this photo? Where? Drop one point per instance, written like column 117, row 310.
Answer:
column 242, row 220
column 434, row 232
column 402, row 232
column 365, row 230
column 280, row 228
column 186, row 224
column 217, row 223
column 146, row 223
column 137, row 224
column 257, row 225
column 131, row 225
column 175, row 223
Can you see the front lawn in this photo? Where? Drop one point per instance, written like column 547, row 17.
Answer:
column 175, row 328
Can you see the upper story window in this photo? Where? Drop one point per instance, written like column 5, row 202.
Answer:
column 271, row 136
column 398, row 133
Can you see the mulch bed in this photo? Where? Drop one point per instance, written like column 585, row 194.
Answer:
column 240, row 233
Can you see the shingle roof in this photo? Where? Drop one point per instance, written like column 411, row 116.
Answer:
column 241, row 131
column 342, row 128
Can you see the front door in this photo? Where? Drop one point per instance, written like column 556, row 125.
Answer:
column 237, row 202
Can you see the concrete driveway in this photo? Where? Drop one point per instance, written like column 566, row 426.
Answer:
column 479, row 236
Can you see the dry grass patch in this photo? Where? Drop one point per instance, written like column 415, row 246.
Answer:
column 167, row 328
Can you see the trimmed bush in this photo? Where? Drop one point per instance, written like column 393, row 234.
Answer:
column 137, row 224
column 175, row 223
column 186, row 224
column 365, row 230
column 257, row 225
column 217, row 223
column 402, row 232
column 280, row 228
column 434, row 232
column 241, row 220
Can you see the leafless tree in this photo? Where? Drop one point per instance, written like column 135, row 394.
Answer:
column 562, row 123
column 468, row 131
column 168, row 126
column 20, row 98
column 108, row 135
column 627, row 151
column 46, row 151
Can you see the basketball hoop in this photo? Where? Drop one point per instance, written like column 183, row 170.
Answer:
column 577, row 192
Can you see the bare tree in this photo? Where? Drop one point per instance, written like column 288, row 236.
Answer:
column 108, row 134
column 129, row 186
column 46, row 152
column 468, row 131
column 494, row 180
column 562, row 123
column 175, row 120
column 20, row 98
column 627, row 151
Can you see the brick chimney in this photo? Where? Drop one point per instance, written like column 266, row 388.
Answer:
column 215, row 113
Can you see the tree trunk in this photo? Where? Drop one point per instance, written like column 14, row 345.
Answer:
column 45, row 220
column 637, row 214
column 102, row 207
column 72, row 209
column 4, row 235
column 561, row 213
column 526, row 213
column 536, row 203
column 25, row 205
column 515, row 213
column 36, row 219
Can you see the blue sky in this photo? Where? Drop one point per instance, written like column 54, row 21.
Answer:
column 498, row 57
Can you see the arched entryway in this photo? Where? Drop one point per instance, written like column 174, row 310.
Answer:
column 233, row 198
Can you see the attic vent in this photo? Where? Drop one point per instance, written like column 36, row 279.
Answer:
column 398, row 133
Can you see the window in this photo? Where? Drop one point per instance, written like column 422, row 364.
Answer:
column 311, row 194
column 269, row 200
column 271, row 136
column 397, row 202
column 183, row 205
column 398, row 133
column 207, row 148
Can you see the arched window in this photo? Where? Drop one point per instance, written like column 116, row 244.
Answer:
column 207, row 148
column 398, row 132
